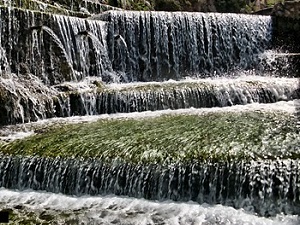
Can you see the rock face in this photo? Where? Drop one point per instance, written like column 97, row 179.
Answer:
column 286, row 18
column 290, row 9
column 286, row 37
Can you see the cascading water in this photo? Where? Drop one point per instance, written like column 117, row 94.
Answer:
column 122, row 62
column 271, row 184
column 162, row 45
column 54, row 47
column 131, row 46
column 177, row 95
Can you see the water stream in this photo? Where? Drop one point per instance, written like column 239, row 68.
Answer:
column 123, row 210
column 121, row 64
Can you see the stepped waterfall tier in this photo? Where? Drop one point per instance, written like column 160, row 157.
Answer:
column 138, row 46
column 131, row 117
column 171, row 45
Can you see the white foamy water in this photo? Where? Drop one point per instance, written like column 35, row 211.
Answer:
column 19, row 131
column 123, row 210
column 245, row 76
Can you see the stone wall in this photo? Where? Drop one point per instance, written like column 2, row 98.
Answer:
column 290, row 9
column 286, row 20
column 286, row 17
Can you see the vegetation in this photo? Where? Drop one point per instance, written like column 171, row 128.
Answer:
column 167, row 139
column 74, row 7
column 230, row 5
column 45, row 6
column 226, row 6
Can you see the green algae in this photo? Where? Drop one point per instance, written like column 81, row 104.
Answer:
column 21, row 214
column 169, row 139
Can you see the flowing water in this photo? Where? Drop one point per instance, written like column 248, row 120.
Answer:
column 121, row 65
column 123, row 210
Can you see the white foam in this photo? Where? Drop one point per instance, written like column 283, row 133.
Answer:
column 106, row 209
column 245, row 76
column 16, row 135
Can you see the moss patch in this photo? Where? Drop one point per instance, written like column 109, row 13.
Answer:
column 168, row 139
column 25, row 215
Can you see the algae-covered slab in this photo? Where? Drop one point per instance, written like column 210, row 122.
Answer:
column 169, row 138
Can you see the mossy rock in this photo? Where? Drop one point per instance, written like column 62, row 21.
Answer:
column 171, row 139
column 45, row 216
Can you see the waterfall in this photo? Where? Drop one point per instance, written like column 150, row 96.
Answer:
column 128, row 61
column 53, row 46
column 176, row 95
column 268, row 187
column 136, row 46
column 130, row 46
column 163, row 45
